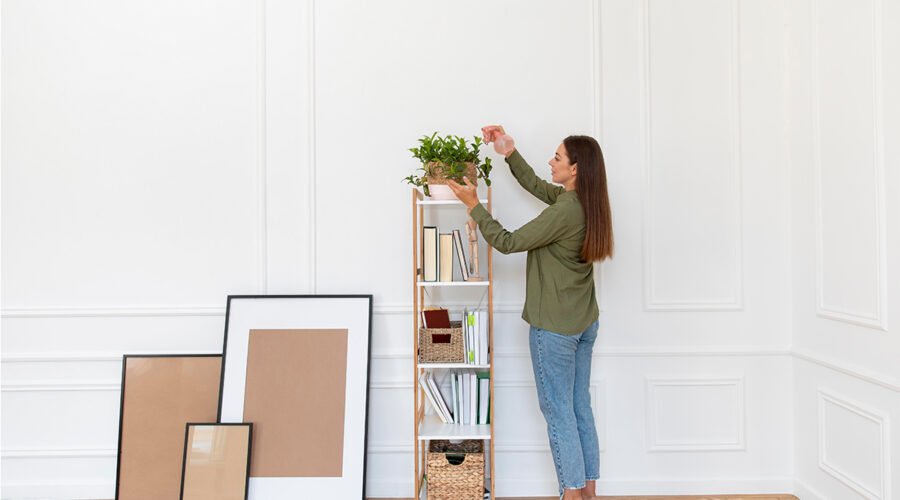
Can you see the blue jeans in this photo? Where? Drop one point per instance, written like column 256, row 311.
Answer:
column 562, row 374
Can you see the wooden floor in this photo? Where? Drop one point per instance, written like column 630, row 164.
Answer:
column 657, row 497
column 679, row 497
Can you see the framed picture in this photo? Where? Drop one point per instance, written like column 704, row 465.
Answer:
column 160, row 394
column 297, row 367
column 216, row 461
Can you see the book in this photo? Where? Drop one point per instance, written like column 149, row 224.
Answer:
column 462, row 397
column 476, row 334
column 483, row 334
column 481, row 321
column 473, row 395
column 454, row 394
column 460, row 255
column 467, row 399
column 484, row 398
column 470, row 337
column 436, row 318
column 445, row 254
column 473, row 336
column 429, row 253
column 441, row 401
column 423, row 383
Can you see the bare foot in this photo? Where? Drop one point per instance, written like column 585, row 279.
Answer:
column 572, row 495
column 590, row 490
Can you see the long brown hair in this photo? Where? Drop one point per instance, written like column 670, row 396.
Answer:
column 590, row 184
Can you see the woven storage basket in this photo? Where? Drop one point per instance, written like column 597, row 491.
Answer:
column 441, row 345
column 435, row 174
column 455, row 471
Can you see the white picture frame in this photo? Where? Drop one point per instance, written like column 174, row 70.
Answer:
column 352, row 313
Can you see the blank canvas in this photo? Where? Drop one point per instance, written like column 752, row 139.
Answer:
column 295, row 390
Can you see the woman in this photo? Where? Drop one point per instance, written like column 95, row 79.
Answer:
column 560, row 302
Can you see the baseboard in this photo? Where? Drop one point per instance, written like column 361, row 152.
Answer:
column 660, row 486
column 56, row 490
column 803, row 491
column 401, row 489
column 388, row 489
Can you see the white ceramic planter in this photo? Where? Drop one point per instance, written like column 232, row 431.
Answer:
column 441, row 192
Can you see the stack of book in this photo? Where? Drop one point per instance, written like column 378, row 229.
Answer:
column 438, row 252
column 469, row 401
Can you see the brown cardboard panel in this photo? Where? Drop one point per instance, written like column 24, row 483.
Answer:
column 216, row 462
column 161, row 395
column 294, row 396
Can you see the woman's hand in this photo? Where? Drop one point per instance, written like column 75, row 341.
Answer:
column 503, row 143
column 466, row 194
column 491, row 132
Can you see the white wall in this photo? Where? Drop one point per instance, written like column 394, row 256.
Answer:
column 845, row 240
column 158, row 157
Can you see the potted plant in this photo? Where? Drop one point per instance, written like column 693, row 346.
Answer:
column 449, row 157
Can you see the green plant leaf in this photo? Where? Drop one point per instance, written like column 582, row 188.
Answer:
column 449, row 154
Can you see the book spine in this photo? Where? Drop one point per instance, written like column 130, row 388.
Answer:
column 473, row 381
column 439, row 396
column 470, row 353
column 430, row 397
column 429, row 253
column 460, row 255
column 445, row 255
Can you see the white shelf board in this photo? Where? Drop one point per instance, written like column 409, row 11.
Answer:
column 454, row 283
column 431, row 427
column 454, row 365
column 444, row 202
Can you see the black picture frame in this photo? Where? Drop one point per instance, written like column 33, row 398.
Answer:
column 229, row 358
column 187, row 429
column 125, row 358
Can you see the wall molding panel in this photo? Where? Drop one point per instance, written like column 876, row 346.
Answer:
column 596, row 62
column 112, row 312
column 261, row 141
column 311, row 140
column 389, row 308
column 88, row 357
column 651, row 301
column 56, row 386
column 879, row 491
column 655, row 444
column 541, row 445
column 877, row 318
column 866, row 375
column 56, row 453
column 289, row 119
column 626, row 351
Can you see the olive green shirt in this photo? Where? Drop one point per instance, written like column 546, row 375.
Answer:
column 559, row 285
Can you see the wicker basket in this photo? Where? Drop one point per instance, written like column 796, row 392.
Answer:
column 435, row 174
column 455, row 471
column 441, row 345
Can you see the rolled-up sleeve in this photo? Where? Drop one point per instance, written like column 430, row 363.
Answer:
column 549, row 226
